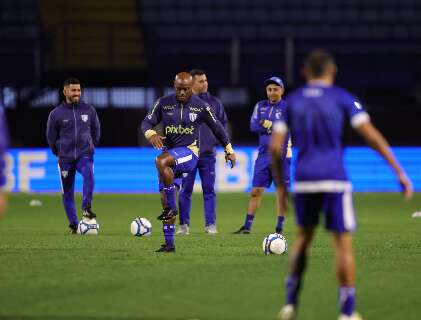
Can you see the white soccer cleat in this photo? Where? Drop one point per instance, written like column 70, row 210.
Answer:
column 183, row 230
column 354, row 316
column 211, row 229
column 416, row 214
column 287, row 312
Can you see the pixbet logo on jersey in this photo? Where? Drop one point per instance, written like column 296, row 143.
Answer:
column 179, row 130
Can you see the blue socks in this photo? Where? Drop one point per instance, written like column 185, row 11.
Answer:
column 293, row 285
column 249, row 221
column 170, row 197
column 280, row 223
column 347, row 300
column 169, row 230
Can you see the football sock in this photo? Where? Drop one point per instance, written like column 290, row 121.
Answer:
column 347, row 300
column 249, row 221
column 293, row 285
column 280, row 223
column 169, row 230
column 170, row 197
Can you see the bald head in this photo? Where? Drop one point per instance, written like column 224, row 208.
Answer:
column 183, row 86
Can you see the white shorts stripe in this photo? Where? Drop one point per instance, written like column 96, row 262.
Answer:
column 322, row 186
column 348, row 211
column 184, row 159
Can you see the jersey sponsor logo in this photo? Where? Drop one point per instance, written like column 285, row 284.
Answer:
column 84, row 117
column 192, row 116
column 64, row 173
column 179, row 130
column 313, row 92
column 168, row 108
column 195, row 109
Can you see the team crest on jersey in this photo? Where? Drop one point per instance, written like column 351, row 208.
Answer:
column 84, row 117
column 278, row 115
column 64, row 173
column 192, row 116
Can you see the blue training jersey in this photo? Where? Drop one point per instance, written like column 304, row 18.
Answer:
column 316, row 115
column 207, row 140
column 264, row 110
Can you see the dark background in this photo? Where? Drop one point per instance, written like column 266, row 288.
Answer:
column 144, row 43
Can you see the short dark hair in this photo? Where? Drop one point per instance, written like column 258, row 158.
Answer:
column 317, row 61
column 70, row 81
column 197, row 72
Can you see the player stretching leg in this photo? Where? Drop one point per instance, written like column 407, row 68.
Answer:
column 315, row 116
column 265, row 113
column 181, row 115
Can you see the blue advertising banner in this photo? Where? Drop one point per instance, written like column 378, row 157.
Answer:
column 132, row 170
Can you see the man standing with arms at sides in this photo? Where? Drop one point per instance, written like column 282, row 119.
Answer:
column 315, row 115
column 73, row 131
column 205, row 163
column 4, row 141
column 265, row 113
column 181, row 114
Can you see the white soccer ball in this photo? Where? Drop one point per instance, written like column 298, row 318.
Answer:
column 141, row 227
column 88, row 226
column 275, row 244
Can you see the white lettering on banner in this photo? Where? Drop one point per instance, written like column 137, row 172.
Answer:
column 235, row 179
column 26, row 173
column 8, row 171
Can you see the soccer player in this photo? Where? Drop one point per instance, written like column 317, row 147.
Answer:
column 265, row 113
column 181, row 115
column 4, row 138
column 73, row 131
column 315, row 116
column 205, row 164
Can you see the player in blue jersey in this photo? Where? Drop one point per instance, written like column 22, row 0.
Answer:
column 205, row 163
column 4, row 141
column 315, row 116
column 181, row 115
column 265, row 113
column 73, row 132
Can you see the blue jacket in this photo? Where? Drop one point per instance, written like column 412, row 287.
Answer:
column 73, row 130
column 264, row 110
column 207, row 140
column 181, row 122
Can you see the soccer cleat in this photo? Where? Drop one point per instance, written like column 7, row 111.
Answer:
column 72, row 228
column 242, row 230
column 354, row 316
column 287, row 312
column 87, row 213
column 211, row 229
column 165, row 248
column 183, row 229
column 167, row 214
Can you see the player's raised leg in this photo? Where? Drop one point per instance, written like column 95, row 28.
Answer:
column 67, row 172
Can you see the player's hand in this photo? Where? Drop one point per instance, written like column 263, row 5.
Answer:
column 267, row 124
column 157, row 141
column 406, row 186
column 231, row 158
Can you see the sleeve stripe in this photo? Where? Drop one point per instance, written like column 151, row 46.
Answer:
column 359, row 119
column 280, row 127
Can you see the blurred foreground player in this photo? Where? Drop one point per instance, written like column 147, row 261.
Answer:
column 265, row 113
column 315, row 116
column 73, row 131
column 181, row 114
column 4, row 138
column 205, row 163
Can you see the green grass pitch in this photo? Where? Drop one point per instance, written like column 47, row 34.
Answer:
column 47, row 274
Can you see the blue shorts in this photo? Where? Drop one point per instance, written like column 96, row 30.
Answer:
column 262, row 173
column 185, row 161
column 337, row 207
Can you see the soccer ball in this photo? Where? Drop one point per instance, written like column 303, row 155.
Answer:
column 141, row 227
column 275, row 244
column 88, row 226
